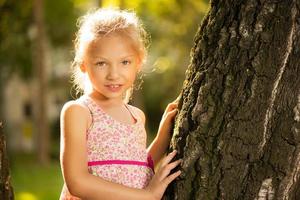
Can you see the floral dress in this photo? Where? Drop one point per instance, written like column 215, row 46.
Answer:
column 116, row 151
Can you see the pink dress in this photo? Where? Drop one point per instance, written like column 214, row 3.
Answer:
column 116, row 151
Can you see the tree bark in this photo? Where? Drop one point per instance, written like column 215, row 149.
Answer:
column 6, row 190
column 238, row 126
column 40, row 66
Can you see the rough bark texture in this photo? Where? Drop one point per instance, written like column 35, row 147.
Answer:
column 6, row 191
column 238, row 128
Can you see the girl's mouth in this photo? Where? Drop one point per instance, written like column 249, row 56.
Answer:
column 114, row 87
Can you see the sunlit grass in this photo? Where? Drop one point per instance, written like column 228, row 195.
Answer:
column 32, row 181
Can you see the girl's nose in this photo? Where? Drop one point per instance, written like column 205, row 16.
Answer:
column 112, row 73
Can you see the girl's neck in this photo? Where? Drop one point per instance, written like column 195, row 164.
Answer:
column 107, row 102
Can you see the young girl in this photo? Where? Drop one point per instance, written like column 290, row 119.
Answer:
column 103, row 139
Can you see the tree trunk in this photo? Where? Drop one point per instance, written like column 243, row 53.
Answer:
column 40, row 66
column 6, row 190
column 238, row 126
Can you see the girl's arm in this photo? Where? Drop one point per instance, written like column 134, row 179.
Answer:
column 160, row 144
column 74, row 123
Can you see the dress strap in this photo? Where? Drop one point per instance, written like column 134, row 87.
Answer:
column 89, row 103
column 133, row 113
column 82, row 101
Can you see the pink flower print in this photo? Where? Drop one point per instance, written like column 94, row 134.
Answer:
column 113, row 140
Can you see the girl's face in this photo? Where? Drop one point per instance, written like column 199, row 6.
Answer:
column 111, row 63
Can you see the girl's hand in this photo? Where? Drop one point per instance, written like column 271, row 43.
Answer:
column 162, row 177
column 167, row 118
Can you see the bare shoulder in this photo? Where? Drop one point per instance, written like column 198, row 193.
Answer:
column 74, row 111
column 74, row 107
column 139, row 112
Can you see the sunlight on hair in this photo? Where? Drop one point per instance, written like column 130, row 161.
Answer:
column 26, row 196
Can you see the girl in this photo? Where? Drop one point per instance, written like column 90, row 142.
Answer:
column 103, row 139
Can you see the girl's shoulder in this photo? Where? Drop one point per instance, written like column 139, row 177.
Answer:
column 75, row 108
column 139, row 112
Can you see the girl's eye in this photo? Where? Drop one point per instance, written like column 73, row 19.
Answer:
column 126, row 62
column 101, row 63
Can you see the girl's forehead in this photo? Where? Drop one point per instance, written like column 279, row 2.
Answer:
column 111, row 44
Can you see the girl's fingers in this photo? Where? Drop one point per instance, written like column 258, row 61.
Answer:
column 167, row 169
column 168, row 158
column 171, row 114
column 170, row 178
column 172, row 165
column 171, row 106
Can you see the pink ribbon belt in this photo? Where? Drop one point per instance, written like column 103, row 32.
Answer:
column 149, row 164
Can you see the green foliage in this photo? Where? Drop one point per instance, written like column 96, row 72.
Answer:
column 17, row 31
column 14, row 41
column 60, row 21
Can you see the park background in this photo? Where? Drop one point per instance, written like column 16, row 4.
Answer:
column 35, row 173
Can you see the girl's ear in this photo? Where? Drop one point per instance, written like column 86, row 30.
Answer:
column 139, row 64
column 83, row 67
column 139, row 67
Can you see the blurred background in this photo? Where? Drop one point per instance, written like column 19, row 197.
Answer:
column 36, row 50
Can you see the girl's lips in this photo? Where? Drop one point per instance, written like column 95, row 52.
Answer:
column 114, row 87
